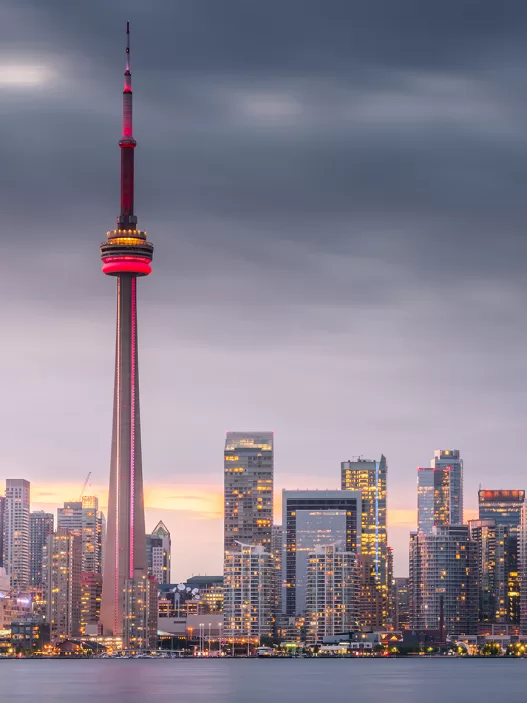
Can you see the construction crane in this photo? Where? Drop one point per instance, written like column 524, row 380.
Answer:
column 85, row 484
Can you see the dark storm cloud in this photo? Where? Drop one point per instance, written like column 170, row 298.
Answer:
column 336, row 192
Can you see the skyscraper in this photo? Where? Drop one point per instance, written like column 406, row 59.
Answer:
column 126, row 255
column 312, row 519
column 433, row 497
column 248, row 489
column 85, row 519
column 370, row 477
column 450, row 458
column 332, row 601
column 443, row 580
column 158, row 548
column 40, row 527
column 497, row 533
column 276, row 552
column 16, row 532
column 62, row 576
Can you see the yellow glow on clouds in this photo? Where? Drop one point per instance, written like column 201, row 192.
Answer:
column 205, row 502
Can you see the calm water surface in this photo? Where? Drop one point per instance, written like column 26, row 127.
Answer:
column 265, row 681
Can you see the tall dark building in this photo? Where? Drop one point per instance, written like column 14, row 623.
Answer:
column 40, row 527
column 313, row 519
column 444, row 580
column 126, row 255
column 497, row 534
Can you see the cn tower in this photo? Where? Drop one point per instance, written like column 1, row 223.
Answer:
column 126, row 255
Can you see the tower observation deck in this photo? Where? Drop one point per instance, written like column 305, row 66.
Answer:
column 126, row 254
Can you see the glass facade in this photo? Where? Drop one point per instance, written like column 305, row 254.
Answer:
column 433, row 498
column 40, row 527
column 312, row 519
column 451, row 459
column 370, row 478
column 503, row 506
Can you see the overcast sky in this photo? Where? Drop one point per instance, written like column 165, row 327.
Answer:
column 336, row 194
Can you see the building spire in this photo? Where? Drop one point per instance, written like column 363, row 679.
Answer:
column 127, row 90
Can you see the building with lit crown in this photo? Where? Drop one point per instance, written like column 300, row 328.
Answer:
column 332, row 596
column 248, row 489
column 504, row 506
column 433, row 497
column 126, row 255
column 370, row 477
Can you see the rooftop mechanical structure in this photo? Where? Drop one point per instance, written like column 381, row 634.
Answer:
column 126, row 254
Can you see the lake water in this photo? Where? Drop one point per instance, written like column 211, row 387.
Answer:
column 409, row 680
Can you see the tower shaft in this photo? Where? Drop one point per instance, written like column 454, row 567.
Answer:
column 125, row 555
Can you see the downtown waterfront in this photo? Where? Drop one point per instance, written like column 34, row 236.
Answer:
column 238, row 681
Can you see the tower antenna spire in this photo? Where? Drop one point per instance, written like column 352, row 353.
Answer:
column 128, row 47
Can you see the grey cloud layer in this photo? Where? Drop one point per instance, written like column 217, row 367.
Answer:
column 336, row 195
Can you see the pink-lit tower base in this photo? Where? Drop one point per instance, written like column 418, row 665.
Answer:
column 126, row 255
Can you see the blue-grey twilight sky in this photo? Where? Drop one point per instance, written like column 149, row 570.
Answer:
column 336, row 193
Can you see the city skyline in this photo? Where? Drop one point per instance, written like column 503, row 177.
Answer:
column 243, row 262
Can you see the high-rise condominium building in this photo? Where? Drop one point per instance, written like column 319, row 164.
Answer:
column 450, row 459
column 16, row 532
column 40, row 527
column 2, row 519
column 140, row 612
column 276, row 552
column 158, row 548
column 62, row 576
column 370, row 477
column 85, row 519
column 498, row 578
column 312, row 519
column 247, row 591
column 332, row 599
column 504, row 506
column 504, row 509
column 248, row 489
column 433, row 497
column 522, row 569
column 91, row 592
column 443, row 580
